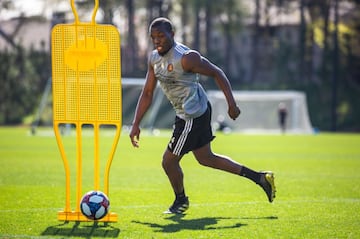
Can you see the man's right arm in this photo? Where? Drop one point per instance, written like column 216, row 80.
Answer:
column 143, row 105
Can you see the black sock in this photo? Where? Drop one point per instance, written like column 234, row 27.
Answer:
column 250, row 174
column 180, row 195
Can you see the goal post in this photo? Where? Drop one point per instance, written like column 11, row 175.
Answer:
column 260, row 111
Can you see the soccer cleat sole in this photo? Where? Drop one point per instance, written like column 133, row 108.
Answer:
column 269, row 177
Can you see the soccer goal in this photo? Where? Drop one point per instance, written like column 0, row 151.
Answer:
column 260, row 111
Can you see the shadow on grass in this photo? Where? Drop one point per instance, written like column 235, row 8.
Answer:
column 258, row 218
column 86, row 231
column 207, row 223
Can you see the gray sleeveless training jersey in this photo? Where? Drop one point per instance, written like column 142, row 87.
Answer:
column 182, row 88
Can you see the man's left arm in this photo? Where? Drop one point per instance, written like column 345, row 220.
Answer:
column 194, row 62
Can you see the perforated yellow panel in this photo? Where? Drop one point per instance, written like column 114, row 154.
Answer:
column 86, row 73
column 86, row 81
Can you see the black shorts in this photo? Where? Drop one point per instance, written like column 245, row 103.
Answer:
column 191, row 134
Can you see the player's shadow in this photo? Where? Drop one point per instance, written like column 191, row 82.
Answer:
column 179, row 223
column 87, row 230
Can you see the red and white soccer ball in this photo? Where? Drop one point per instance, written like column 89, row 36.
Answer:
column 94, row 205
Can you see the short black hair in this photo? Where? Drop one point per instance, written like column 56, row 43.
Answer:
column 162, row 22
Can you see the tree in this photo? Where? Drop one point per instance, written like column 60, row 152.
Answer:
column 184, row 20
column 132, row 58
column 302, row 42
column 230, row 17
column 224, row 17
column 255, row 42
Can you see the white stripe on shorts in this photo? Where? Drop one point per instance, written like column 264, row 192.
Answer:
column 182, row 139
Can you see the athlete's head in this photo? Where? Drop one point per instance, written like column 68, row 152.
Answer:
column 162, row 34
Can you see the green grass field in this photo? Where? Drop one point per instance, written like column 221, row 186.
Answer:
column 317, row 177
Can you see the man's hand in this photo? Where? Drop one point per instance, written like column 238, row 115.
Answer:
column 135, row 135
column 234, row 112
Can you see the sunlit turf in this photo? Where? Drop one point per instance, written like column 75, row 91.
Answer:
column 317, row 178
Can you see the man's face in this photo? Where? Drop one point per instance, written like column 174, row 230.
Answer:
column 162, row 39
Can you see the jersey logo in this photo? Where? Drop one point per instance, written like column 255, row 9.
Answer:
column 170, row 67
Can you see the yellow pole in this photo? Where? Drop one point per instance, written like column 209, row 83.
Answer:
column 78, row 166
column 66, row 167
column 96, row 157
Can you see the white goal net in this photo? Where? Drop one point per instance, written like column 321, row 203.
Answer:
column 260, row 111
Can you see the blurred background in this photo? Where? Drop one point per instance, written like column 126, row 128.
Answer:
column 309, row 46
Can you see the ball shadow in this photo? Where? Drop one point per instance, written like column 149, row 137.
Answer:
column 85, row 230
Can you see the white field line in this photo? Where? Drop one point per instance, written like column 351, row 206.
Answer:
column 324, row 200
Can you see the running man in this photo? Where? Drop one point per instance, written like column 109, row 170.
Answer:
column 177, row 68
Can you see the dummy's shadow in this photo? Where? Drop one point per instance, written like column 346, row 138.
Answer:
column 87, row 230
column 179, row 223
